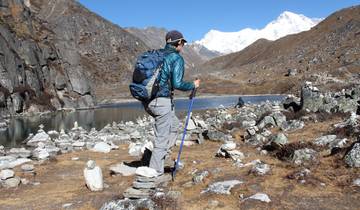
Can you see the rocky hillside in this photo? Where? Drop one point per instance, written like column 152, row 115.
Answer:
column 58, row 54
column 194, row 54
column 328, row 55
column 104, row 51
column 34, row 75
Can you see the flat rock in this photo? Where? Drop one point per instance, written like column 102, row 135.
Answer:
column 123, row 169
column 6, row 173
column 325, row 140
column 260, row 169
column 222, row 187
column 356, row 182
column 19, row 152
column 13, row 163
column 101, row 147
column 136, row 193
column 27, row 167
column 146, row 171
column 228, row 146
column 12, row 182
column 129, row 204
column 261, row 197
column 144, row 185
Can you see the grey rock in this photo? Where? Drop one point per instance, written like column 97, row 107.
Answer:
column 27, row 167
column 279, row 118
column 267, row 121
column 144, row 185
column 86, row 101
column 101, row 147
column 41, row 136
column 352, row 158
column 11, row 182
column 304, row 156
column 6, row 173
column 261, row 197
column 137, row 193
column 292, row 125
column 18, row 102
column 11, row 162
column 93, row 176
column 199, row 177
column 228, row 146
column 257, row 139
column 292, row 72
column 311, row 98
column 214, row 135
column 222, row 187
column 60, row 81
column 19, row 152
column 260, row 169
column 279, row 140
column 129, row 204
column 122, row 169
column 356, row 182
column 146, row 171
column 325, row 140
column 249, row 123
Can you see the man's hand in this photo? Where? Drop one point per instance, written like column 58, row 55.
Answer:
column 197, row 83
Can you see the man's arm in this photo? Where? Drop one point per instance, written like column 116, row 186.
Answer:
column 177, row 76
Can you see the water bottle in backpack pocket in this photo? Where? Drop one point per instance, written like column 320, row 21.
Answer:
column 145, row 76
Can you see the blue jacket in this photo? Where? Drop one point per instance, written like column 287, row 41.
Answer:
column 173, row 73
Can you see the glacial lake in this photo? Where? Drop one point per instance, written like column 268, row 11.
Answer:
column 20, row 128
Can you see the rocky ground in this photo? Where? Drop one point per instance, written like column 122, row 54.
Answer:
column 250, row 157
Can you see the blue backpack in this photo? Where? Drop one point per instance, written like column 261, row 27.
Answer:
column 145, row 82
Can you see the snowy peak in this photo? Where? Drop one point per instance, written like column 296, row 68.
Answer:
column 228, row 42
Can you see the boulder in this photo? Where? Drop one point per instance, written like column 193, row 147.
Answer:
column 19, row 152
column 101, row 147
column 222, row 187
column 352, row 158
column 129, row 204
column 260, row 169
column 123, row 169
column 311, row 98
column 7, row 173
column 260, row 196
column 279, row 140
column 199, row 177
column 11, row 182
column 304, row 156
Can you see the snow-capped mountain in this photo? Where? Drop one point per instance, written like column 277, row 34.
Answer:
column 228, row 42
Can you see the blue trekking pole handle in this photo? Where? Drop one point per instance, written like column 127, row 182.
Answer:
column 192, row 97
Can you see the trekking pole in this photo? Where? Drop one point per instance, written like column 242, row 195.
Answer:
column 192, row 97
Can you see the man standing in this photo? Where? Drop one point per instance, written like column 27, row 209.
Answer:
column 162, row 106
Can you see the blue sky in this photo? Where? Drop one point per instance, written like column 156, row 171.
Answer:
column 194, row 18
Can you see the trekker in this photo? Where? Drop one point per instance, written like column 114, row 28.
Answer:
column 162, row 106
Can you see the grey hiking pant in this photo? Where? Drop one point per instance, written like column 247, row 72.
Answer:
column 165, row 128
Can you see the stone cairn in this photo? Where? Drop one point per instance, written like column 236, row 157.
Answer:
column 146, row 183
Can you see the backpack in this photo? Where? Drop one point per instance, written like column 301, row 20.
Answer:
column 145, row 81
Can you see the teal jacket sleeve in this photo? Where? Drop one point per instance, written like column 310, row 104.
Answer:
column 177, row 76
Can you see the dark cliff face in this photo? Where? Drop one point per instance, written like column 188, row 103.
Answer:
column 32, row 77
column 57, row 54
column 104, row 52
